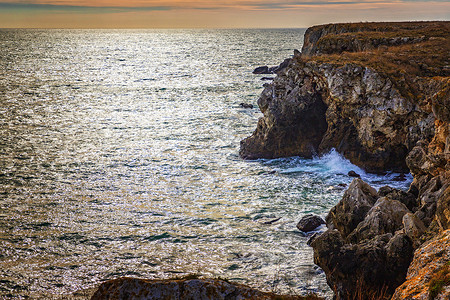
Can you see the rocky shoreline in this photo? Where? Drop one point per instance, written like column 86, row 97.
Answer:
column 379, row 93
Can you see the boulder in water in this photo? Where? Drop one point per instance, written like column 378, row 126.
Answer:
column 309, row 223
column 353, row 174
column 246, row 105
column 262, row 70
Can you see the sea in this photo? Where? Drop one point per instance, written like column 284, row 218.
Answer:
column 119, row 157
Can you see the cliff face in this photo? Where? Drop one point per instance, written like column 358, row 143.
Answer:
column 380, row 94
column 372, row 106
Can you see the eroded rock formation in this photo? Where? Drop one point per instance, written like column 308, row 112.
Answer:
column 361, row 103
column 379, row 93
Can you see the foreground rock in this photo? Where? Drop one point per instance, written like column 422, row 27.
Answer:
column 429, row 274
column 362, row 253
column 373, row 268
column 179, row 289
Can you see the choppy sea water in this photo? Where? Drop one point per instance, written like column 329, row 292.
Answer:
column 119, row 157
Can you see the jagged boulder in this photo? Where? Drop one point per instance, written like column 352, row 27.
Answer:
column 414, row 228
column 428, row 276
column 384, row 217
column 372, row 268
column 407, row 198
column 358, row 199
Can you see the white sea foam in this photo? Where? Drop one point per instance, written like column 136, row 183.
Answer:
column 333, row 164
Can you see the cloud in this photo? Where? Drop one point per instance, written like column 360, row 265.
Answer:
column 55, row 8
column 106, row 6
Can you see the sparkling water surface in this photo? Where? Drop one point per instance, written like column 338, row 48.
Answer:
column 119, row 157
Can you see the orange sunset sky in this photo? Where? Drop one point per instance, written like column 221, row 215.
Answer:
column 211, row 13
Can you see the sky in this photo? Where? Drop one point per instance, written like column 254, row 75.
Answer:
column 212, row 13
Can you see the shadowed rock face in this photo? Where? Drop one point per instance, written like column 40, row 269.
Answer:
column 294, row 120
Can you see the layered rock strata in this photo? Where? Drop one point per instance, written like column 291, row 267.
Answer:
column 379, row 93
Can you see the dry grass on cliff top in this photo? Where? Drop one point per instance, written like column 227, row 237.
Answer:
column 427, row 58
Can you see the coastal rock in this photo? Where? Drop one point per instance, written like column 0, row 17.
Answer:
column 311, row 108
column 181, row 289
column 281, row 66
column 358, row 199
column 262, row 70
column 384, row 217
column 353, row 174
column 443, row 209
column 384, row 105
column 371, row 114
column 407, row 198
column 309, row 223
column 429, row 196
column 246, row 105
column 354, row 37
column 414, row 228
column 293, row 123
column 428, row 276
column 372, row 268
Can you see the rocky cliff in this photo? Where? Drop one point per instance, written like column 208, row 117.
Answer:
column 379, row 93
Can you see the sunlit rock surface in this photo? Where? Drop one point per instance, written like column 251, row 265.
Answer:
column 429, row 270
column 180, row 289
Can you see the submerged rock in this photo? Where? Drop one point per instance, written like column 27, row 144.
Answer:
column 309, row 223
